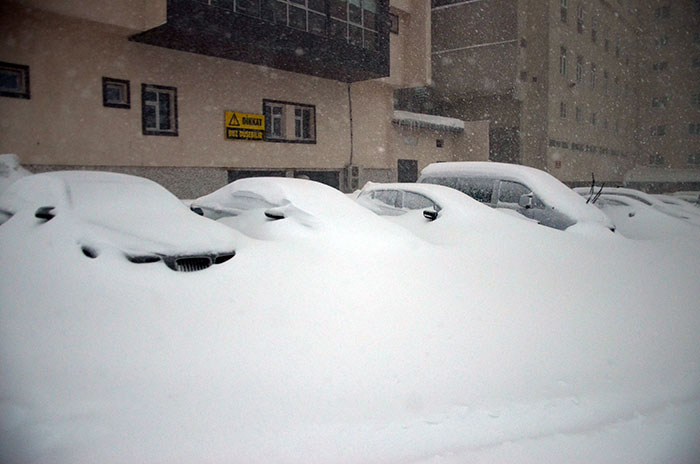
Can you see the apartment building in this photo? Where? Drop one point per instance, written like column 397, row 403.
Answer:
column 574, row 87
column 197, row 93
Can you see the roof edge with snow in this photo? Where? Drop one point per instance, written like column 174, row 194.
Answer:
column 426, row 121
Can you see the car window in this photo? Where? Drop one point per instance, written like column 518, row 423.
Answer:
column 413, row 200
column 389, row 197
column 510, row 192
column 480, row 189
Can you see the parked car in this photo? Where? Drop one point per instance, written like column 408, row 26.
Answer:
column 692, row 197
column 646, row 198
column 528, row 191
column 687, row 207
column 637, row 220
column 104, row 211
column 273, row 208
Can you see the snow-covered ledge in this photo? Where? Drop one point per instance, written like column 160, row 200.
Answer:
column 426, row 121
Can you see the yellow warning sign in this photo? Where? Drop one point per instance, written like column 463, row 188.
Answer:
column 244, row 126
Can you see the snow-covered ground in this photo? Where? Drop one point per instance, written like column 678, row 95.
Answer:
column 517, row 344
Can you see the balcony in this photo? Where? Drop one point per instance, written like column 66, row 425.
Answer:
column 343, row 40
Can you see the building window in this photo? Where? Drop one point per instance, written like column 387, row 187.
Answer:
column 115, row 93
column 694, row 129
column 617, row 126
column 274, row 120
column 564, row 10
column 393, row 23
column 562, row 61
column 354, row 21
column 579, row 115
column 562, row 110
column 696, row 62
column 660, row 66
column 695, row 99
column 618, row 47
column 579, row 69
column 594, row 119
column 606, row 45
column 158, row 110
column 694, row 159
column 289, row 122
column 606, row 124
column 14, row 80
column 594, row 30
column 579, row 18
column 593, row 76
column 658, row 131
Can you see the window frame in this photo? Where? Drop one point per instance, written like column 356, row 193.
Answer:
column 23, row 71
column 289, row 134
column 126, row 92
column 159, row 89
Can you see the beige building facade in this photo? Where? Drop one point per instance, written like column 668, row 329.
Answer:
column 572, row 86
column 130, row 88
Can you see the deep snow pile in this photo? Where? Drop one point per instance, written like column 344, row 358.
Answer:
column 518, row 345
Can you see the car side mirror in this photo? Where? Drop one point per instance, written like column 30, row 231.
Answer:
column 525, row 201
column 45, row 213
column 632, row 214
column 197, row 210
column 430, row 214
column 274, row 214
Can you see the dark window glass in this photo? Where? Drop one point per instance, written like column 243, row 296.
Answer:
column 339, row 29
column 317, row 5
column 355, row 12
column 355, row 35
column 339, row 9
column 297, row 18
column 14, row 80
column 317, row 23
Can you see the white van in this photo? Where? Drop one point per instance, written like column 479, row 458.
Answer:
column 528, row 191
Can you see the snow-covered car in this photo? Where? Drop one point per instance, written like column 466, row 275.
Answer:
column 271, row 208
column 637, row 220
column 687, row 207
column 103, row 212
column 646, row 198
column 692, row 197
column 530, row 192
column 10, row 170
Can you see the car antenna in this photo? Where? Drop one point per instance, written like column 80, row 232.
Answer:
column 595, row 198
column 590, row 194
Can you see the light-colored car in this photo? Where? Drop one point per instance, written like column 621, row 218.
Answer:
column 530, row 192
column 272, row 208
column 637, row 220
column 104, row 212
column 690, row 196
column 687, row 207
column 646, row 198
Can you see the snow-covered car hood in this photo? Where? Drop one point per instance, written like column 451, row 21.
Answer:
column 130, row 213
